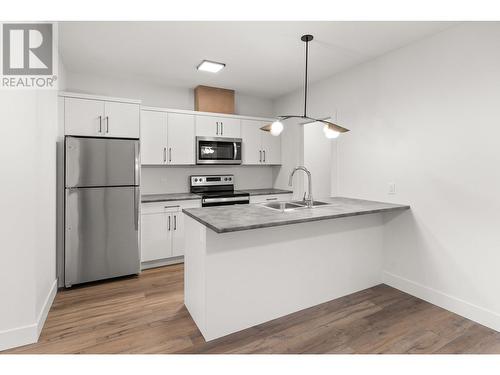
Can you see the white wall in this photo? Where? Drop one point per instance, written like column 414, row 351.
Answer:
column 29, row 133
column 28, row 221
column 426, row 117
column 319, row 155
column 155, row 95
column 175, row 179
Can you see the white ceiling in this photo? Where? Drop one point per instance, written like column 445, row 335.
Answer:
column 264, row 59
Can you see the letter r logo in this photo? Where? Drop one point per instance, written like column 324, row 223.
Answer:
column 27, row 49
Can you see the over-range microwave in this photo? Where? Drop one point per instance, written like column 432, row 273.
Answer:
column 218, row 150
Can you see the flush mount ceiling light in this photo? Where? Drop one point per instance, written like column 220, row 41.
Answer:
column 330, row 129
column 210, row 66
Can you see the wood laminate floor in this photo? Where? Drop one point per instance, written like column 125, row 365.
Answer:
column 146, row 314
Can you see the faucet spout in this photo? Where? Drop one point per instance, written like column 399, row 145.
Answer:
column 309, row 200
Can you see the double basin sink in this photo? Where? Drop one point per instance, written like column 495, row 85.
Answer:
column 292, row 205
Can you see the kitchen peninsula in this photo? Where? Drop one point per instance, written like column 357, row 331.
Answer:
column 248, row 264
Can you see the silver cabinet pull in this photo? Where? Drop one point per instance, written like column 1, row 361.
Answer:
column 217, row 128
column 175, row 222
column 164, row 154
column 173, row 206
column 264, row 153
column 221, row 128
column 100, row 124
column 260, row 156
column 272, row 199
column 107, row 124
column 169, row 222
column 169, row 154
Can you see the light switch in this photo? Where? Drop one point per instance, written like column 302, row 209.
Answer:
column 392, row 188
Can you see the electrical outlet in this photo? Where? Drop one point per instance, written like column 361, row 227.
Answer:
column 392, row 188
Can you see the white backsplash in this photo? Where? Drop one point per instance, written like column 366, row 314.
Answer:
column 163, row 179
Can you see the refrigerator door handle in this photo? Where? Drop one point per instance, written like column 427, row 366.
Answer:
column 137, row 162
column 137, row 200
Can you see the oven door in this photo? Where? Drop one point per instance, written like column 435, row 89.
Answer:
column 211, row 150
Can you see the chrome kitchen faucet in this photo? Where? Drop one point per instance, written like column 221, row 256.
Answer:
column 309, row 200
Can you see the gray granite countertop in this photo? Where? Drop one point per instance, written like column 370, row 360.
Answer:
column 265, row 191
column 223, row 219
column 150, row 198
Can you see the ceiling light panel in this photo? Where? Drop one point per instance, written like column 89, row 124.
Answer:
column 210, row 66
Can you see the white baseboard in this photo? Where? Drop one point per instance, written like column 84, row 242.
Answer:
column 162, row 262
column 456, row 305
column 42, row 315
column 28, row 334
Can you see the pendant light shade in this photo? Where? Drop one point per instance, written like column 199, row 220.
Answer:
column 330, row 129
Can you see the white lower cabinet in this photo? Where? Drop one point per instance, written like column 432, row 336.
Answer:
column 155, row 237
column 162, row 229
column 270, row 198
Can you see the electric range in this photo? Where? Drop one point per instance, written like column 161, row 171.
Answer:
column 217, row 190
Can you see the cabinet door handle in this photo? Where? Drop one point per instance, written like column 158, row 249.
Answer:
column 221, row 128
column 217, row 128
column 169, row 154
column 169, row 222
column 260, row 156
column 164, row 154
column 175, row 222
column 100, row 124
column 264, row 153
column 272, row 199
column 107, row 124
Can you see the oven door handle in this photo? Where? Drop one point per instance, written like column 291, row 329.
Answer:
column 228, row 199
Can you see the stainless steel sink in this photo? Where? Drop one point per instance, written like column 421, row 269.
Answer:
column 292, row 205
column 315, row 203
column 282, row 206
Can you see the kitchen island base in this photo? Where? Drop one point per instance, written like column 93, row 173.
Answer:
column 236, row 280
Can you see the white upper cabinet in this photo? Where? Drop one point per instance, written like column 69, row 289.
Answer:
column 153, row 137
column 121, row 120
column 167, row 138
column 101, row 118
column 259, row 147
column 252, row 141
column 271, row 148
column 212, row 126
column 83, row 117
column 181, row 138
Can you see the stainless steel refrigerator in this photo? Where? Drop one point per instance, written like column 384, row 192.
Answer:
column 101, row 209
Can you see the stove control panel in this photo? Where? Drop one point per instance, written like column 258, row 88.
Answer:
column 212, row 180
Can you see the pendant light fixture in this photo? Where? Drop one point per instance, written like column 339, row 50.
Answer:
column 330, row 129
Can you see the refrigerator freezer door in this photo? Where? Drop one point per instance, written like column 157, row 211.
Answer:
column 101, row 234
column 101, row 162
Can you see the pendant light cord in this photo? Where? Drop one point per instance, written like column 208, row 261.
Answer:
column 305, row 86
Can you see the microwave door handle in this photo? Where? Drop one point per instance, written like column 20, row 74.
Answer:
column 235, row 150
